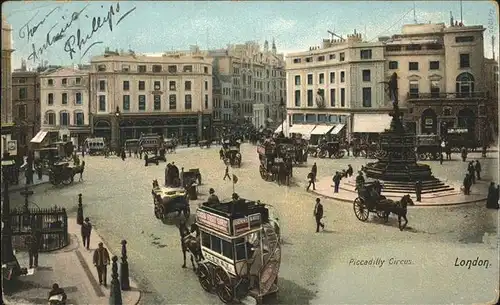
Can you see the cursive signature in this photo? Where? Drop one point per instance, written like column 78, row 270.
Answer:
column 29, row 31
column 50, row 39
column 79, row 41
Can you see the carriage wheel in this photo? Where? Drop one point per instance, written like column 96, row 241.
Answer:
column 422, row 156
column 68, row 180
column 322, row 154
column 223, row 285
column 360, row 209
column 204, row 277
column 157, row 212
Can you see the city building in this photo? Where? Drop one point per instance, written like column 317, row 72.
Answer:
column 249, row 75
column 440, row 76
column 64, row 105
column 169, row 94
column 26, row 105
column 337, row 89
column 6, row 102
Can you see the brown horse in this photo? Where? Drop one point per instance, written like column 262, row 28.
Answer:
column 190, row 243
column 400, row 208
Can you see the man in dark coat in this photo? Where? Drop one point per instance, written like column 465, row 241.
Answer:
column 86, row 230
column 360, row 180
column 318, row 214
column 448, row 151
column 226, row 175
column 349, row 171
column 484, row 150
column 310, row 178
column 336, row 181
column 418, row 190
column 470, row 169
column 464, row 153
column 123, row 154
column 33, row 243
column 314, row 171
column 467, row 184
column 212, row 198
column 168, row 174
column 477, row 168
column 492, row 200
column 441, row 159
column 146, row 157
column 101, row 261
column 221, row 154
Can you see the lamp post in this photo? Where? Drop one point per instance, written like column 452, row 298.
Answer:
column 117, row 119
column 282, row 108
column 8, row 257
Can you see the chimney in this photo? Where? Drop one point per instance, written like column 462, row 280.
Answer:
column 451, row 19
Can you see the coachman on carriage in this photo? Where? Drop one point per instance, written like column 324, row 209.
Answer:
column 240, row 250
column 275, row 164
column 232, row 156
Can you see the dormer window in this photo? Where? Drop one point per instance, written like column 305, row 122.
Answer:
column 141, row 68
column 50, row 82
column 188, row 68
column 297, row 60
column 101, row 68
column 64, row 81
column 172, row 69
column 309, row 59
column 78, row 81
column 125, row 68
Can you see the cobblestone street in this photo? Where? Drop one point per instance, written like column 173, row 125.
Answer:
column 315, row 268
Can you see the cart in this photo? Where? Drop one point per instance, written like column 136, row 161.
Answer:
column 241, row 250
column 167, row 200
column 232, row 156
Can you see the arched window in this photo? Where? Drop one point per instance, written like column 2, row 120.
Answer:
column 78, row 118
column 50, row 118
column 63, row 118
column 464, row 85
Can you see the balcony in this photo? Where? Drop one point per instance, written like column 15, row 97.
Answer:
column 412, row 97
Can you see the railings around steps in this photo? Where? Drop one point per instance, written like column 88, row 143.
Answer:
column 51, row 226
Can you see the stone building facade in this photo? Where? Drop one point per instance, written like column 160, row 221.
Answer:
column 64, row 104
column 6, row 102
column 250, row 75
column 26, row 105
column 337, row 84
column 169, row 94
column 440, row 76
column 491, row 82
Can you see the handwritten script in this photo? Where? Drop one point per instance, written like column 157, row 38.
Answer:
column 60, row 30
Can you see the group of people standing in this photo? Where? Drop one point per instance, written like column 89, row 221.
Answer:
column 473, row 173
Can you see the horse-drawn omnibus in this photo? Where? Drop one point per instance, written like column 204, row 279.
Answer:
column 241, row 250
column 274, row 163
column 151, row 142
column 96, row 146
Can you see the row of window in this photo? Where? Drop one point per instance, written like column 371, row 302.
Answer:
column 141, row 85
column 65, row 118
column 321, row 92
column 154, row 68
column 218, row 115
column 318, row 118
column 64, row 81
column 321, row 78
column 433, row 65
column 64, row 99
column 157, row 103
column 323, row 57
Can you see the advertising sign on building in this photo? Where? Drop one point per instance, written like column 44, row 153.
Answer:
column 12, row 147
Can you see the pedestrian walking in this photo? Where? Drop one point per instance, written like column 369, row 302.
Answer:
column 146, row 159
column 140, row 153
column 86, row 230
column 418, row 190
column 492, row 200
column 464, row 153
column 470, row 169
column 318, row 214
column 441, row 158
column 349, row 171
column 227, row 174
column 477, row 168
column 101, row 262
column 123, row 154
column 314, row 171
column 448, row 151
column 83, row 151
column 221, row 154
column 467, row 184
column 336, row 181
column 33, row 243
column 310, row 178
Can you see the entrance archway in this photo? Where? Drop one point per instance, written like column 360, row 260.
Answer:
column 102, row 129
column 428, row 123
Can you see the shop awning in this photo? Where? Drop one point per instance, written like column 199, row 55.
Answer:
column 39, row 137
column 371, row 122
column 322, row 129
column 337, row 129
column 303, row 129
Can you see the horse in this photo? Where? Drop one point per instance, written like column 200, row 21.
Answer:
column 398, row 208
column 190, row 243
column 79, row 170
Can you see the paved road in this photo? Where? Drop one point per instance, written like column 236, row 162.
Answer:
column 315, row 268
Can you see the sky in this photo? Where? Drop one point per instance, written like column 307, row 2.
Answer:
column 66, row 33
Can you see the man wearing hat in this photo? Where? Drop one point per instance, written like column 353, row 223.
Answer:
column 212, row 199
column 101, row 262
column 86, row 230
column 318, row 214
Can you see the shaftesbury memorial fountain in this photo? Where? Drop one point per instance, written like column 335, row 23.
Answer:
column 398, row 167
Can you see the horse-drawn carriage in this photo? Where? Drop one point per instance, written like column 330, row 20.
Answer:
column 301, row 151
column 63, row 173
column 428, row 147
column 204, row 143
column 232, row 156
column 330, row 150
column 240, row 249
column 370, row 200
column 191, row 176
column 167, row 200
column 274, row 163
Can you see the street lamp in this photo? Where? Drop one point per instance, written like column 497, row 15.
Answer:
column 9, row 260
column 282, row 107
column 117, row 138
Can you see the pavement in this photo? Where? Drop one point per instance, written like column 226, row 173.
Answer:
column 347, row 193
column 22, row 181
column 72, row 269
column 314, row 267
